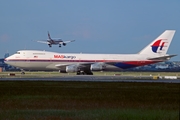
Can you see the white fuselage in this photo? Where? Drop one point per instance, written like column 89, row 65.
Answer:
column 55, row 42
column 43, row 60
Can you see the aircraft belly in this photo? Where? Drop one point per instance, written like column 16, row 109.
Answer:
column 32, row 66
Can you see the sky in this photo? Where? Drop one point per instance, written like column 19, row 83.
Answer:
column 98, row 26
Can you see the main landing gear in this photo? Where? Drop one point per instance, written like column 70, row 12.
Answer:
column 22, row 72
column 84, row 73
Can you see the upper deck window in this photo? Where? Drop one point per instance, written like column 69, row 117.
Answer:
column 38, row 53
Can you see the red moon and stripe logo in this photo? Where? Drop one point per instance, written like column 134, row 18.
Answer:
column 156, row 45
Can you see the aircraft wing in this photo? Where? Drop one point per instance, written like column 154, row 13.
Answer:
column 68, row 41
column 88, row 67
column 74, row 67
column 41, row 41
column 78, row 65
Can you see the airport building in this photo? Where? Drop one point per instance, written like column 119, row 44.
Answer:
column 4, row 66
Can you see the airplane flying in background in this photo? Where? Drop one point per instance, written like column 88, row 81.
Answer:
column 55, row 41
column 81, row 63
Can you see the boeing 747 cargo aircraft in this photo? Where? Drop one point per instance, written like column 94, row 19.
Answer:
column 80, row 63
column 54, row 41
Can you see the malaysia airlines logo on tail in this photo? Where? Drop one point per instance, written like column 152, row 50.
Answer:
column 158, row 44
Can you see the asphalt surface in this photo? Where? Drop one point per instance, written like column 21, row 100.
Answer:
column 86, row 78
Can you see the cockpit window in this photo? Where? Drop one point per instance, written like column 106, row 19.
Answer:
column 17, row 52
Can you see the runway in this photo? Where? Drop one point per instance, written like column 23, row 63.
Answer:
column 86, row 78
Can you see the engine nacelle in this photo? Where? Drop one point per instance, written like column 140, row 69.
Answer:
column 72, row 68
column 62, row 71
column 64, row 44
column 97, row 66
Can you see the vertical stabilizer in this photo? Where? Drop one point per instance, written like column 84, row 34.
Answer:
column 49, row 36
column 160, row 45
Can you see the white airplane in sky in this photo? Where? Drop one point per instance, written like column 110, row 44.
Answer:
column 55, row 41
column 86, row 63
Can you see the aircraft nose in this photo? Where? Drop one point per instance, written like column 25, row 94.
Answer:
column 5, row 60
column 8, row 61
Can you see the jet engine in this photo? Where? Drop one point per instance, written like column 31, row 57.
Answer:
column 97, row 66
column 72, row 68
column 64, row 44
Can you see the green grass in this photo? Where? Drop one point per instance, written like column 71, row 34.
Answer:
column 57, row 74
column 89, row 100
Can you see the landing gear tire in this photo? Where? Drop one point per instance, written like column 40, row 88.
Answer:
column 22, row 73
column 80, row 73
column 90, row 73
column 84, row 73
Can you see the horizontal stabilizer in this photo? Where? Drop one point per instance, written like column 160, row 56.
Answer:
column 162, row 57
